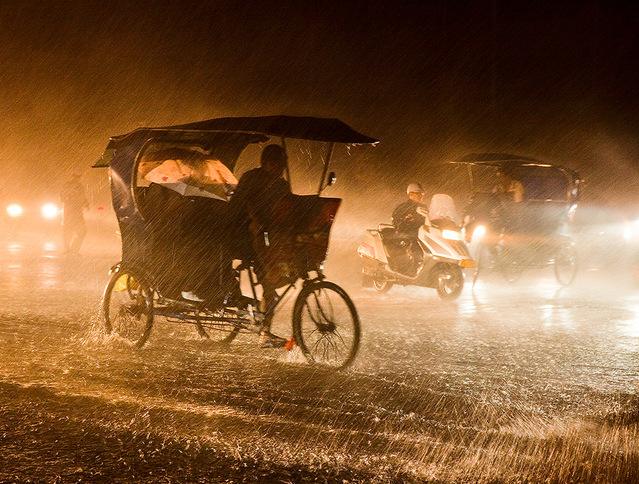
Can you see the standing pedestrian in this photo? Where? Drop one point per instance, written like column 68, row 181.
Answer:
column 74, row 202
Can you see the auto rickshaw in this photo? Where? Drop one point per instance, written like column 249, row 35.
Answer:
column 161, row 233
column 519, row 215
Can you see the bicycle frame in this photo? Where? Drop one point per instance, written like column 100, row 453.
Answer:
column 191, row 313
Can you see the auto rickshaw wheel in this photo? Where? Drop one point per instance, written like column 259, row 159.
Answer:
column 326, row 325
column 511, row 270
column 565, row 264
column 482, row 257
column 127, row 307
column 450, row 281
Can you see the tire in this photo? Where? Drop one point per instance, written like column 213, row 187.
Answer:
column 509, row 262
column 481, row 262
column 315, row 322
column 511, row 271
column 450, row 282
column 127, row 307
column 382, row 286
column 367, row 281
column 565, row 265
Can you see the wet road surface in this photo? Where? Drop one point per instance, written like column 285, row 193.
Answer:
column 509, row 383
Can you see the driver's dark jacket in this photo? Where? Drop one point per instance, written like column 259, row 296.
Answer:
column 255, row 200
column 406, row 219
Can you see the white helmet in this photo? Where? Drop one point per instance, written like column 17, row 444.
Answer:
column 414, row 188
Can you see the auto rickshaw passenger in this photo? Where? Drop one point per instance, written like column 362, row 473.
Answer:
column 511, row 195
column 510, row 186
column 253, row 209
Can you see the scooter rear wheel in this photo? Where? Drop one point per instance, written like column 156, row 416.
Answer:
column 382, row 286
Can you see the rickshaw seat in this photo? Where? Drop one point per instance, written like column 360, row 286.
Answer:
column 298, row 241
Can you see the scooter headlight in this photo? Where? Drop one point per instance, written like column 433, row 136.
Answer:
column 451, row 234
column 15, row 210
column 479, row 233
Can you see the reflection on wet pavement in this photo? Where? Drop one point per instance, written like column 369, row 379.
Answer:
column 512, row 383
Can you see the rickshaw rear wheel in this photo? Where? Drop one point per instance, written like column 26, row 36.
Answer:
column 565, row 265
column 512, row 271
column 127, row 307
column 326, row 325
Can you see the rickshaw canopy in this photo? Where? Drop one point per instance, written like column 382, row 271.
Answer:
column 155, row 218
column 507, row 160
column 238, row 132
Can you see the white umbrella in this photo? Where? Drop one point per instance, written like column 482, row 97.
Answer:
column 208, row 178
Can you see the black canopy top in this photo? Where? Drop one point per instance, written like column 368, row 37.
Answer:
column 507, row 160
column 498, row 159
column 299, row 127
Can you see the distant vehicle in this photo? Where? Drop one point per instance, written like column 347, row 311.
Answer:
column 435, row 259
column 144, row 286
column 510, row 236
column 26, row 217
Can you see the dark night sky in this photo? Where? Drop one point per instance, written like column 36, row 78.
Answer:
column 433, row 80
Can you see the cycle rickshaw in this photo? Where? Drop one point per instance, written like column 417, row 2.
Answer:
column 509, row 236
column 160, row 235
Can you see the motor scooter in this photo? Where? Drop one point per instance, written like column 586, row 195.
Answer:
column 435, row 259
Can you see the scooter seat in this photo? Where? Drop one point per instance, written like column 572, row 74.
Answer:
column 388, row 233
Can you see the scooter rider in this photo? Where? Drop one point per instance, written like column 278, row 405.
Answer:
column 406, row 219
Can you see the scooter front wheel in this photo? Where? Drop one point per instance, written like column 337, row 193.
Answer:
column 450, row 282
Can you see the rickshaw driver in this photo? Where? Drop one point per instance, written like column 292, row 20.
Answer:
column 257, row 192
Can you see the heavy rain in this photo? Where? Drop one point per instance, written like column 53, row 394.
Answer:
column 496, row 342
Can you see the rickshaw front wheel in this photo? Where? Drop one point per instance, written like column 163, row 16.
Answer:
column 127, row 307
column 326, row 325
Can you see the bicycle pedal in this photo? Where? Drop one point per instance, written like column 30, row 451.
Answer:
column 290, row 343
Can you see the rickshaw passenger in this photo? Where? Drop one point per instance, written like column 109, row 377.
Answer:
column 165, row 210
column 253, row 214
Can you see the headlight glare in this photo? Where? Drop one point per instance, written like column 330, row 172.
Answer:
column 50, row 211
column 451, row 234
column 15, row 210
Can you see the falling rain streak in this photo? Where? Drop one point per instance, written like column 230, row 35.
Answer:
column 518, row 379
